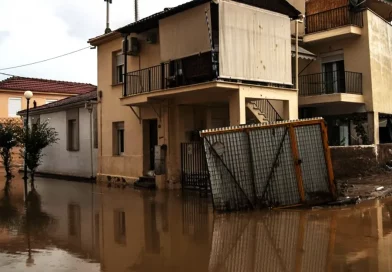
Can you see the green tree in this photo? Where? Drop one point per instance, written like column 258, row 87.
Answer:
column 34, row 139
column 8, row 140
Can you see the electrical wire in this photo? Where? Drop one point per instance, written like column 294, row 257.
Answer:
column 36, row 62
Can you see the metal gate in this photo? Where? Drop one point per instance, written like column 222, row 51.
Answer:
column 270, row 165
column 194, row 169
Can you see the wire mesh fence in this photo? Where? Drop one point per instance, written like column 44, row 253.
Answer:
column 284, row 241
column 273, row 165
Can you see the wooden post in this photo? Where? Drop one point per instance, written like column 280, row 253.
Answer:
column 297, row 162
column 328, row 160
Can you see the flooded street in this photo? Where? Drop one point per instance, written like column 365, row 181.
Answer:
column 72, row 226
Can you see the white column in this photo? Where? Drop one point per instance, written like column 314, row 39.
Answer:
column 373, row 127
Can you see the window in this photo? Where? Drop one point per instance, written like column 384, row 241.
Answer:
column 118, row 68
column 74, row 223
column 73, row 130
column 333, row 73
column 50, row 101
column 118, row 143
column 72, row 135
column 14, row 105
column 120, row 232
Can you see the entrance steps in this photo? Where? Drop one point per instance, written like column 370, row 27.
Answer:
column 145, row 182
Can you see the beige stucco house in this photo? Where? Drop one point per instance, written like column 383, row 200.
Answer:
column 203, row 64
column 349, row 83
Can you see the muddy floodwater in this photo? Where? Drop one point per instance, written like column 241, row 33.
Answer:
column 70, row 226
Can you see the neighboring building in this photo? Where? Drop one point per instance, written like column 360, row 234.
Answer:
column 45, row 91
column 75, row 120
column 203, row 64
column 350, row 82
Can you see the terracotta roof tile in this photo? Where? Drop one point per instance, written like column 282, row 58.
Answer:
column 45, row 85
column 64, row 102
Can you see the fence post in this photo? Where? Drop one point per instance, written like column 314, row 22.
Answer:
column 297, row 162
column 162, row 76
column 328, row 160
column 149, row 80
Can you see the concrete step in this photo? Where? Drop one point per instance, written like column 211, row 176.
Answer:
column 145, row 183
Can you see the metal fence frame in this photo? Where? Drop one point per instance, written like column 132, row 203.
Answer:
column 231, row 170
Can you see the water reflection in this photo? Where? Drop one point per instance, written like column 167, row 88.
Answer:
column 69, row 226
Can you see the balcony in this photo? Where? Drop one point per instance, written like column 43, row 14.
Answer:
column 336, row 86
column 177, row 73
column 332, row 24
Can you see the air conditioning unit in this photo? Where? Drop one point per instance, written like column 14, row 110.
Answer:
column 152, row 38
column 133, row 46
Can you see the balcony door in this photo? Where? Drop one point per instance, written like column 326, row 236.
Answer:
column 334, row 76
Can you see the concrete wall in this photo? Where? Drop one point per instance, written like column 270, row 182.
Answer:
column 57, row 159
column 354, row 161
column 40, row 98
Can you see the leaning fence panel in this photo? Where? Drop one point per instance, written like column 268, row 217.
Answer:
column 280, row 164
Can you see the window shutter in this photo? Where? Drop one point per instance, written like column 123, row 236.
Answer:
column 14, row 105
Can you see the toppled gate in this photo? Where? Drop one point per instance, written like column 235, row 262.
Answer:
column 269, row 165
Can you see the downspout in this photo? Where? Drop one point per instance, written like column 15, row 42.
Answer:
column 296, row 55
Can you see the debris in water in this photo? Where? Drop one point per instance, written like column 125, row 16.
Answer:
column 380, row 188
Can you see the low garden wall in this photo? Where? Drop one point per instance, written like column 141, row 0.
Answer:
column 354, row 161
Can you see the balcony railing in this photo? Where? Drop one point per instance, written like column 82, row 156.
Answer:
column 333, row 18
column 330, row 83
column 187, row 71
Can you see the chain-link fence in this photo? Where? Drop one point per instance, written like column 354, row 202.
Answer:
column 278, row 164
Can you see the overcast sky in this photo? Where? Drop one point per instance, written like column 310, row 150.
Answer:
column 32, row 30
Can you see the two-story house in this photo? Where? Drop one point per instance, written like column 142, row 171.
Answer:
column 349, row 84
column 203, row 64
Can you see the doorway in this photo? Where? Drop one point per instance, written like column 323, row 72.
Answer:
column 150, row 140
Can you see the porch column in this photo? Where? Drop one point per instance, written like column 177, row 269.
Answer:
column 237, row 109
column 290, row 109
column 373, row 127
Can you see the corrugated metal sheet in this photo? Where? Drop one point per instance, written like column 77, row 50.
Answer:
column 254, row 44
column 280, row 164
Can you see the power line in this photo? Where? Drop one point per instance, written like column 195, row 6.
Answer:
column 66, row 54
column 5, row 74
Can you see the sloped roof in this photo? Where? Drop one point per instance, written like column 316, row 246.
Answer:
column 45, row 85
column 66, row 102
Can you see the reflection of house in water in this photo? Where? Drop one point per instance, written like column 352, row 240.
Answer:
column 305, row 241
column 127, row 230
column 161, row 231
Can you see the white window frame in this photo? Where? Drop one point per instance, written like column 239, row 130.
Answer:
column 20, row 108
column 117, row 64
column 48, row 101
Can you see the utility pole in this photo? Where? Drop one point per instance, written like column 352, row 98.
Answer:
column 136, row 10
column 107, row 30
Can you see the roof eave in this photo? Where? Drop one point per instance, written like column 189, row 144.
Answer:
column 55, row 109
column 104, row 38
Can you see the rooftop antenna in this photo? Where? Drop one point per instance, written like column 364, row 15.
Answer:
column 136, row 10
column 107, row 29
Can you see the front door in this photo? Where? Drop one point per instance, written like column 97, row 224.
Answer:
column 153, row 128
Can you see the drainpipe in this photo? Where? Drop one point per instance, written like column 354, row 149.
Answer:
column 300, row 19
column 296, row 55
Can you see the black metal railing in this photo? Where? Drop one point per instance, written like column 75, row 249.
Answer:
column 190, row 70
column 268, row 110
column 330, row 82
column 333, row 18
column 147, row 80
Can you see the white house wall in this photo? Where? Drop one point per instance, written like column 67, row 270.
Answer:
column 57, row 159
column 254, row 44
